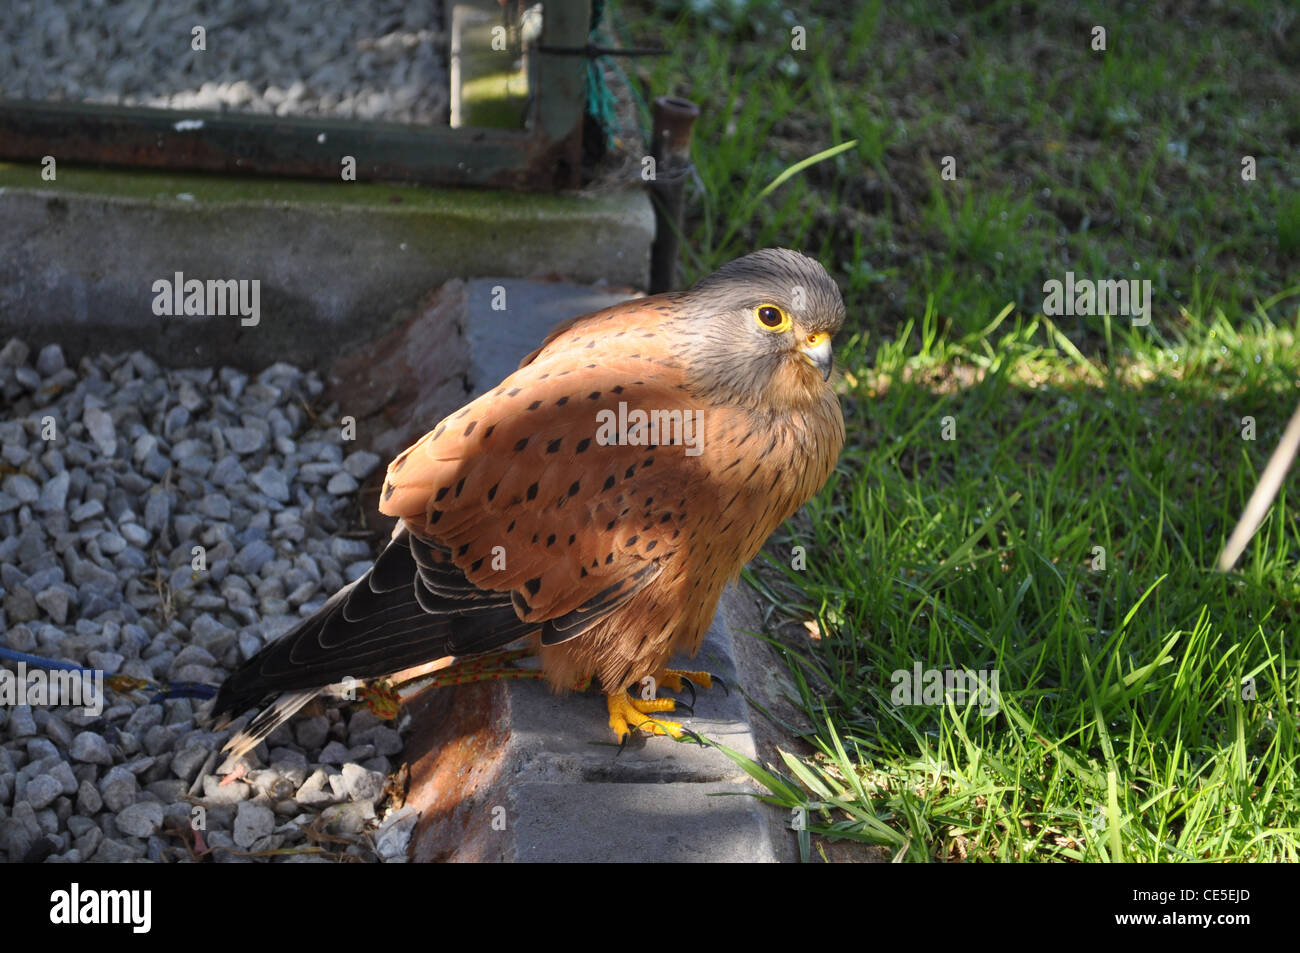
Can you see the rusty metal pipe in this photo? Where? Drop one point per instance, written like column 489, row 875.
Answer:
column 674, row 119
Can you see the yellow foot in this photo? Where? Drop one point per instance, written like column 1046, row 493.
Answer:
column 627, row 714
column 671, row 679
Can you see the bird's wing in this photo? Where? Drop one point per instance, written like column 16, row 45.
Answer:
column 524, row 490
column 516, row 519
column 625, row 314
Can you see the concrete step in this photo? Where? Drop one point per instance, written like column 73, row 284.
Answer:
column 79, row 256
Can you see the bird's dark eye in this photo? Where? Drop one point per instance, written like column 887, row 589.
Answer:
column 771, row 317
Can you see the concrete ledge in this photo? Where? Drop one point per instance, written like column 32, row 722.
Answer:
column 79, row 256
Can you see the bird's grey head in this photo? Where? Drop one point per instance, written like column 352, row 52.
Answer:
column 764, row 324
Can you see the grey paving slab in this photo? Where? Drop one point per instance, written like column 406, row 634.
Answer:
column 638, row 823
column 500, row 337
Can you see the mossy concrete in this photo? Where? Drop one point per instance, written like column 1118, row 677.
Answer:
column 79, row 256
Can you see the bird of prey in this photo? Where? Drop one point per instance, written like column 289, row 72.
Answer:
column 598, row 500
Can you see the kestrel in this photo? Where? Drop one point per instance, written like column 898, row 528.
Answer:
column 598, row 500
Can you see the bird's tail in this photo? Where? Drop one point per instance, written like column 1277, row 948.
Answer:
column 412, row 607
column 269, row 719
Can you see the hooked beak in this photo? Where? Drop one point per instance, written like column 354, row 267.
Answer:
column 817, row 351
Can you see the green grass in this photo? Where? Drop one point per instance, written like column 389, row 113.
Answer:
column 986, row 552
column 1065, row 536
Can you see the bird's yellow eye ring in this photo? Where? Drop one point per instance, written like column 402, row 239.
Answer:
column 772, row 318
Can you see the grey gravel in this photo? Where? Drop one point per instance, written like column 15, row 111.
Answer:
column 91, row 748
column 54, row 494
column 14, row 353
column 55, row 601
column 42, row 790
column 89, row 801
column 361, row 464
column 86, row 510
column 100, row 426
column 119, row 851
column 362, row 785
column 180, row 521
column 20, row 604
column 341, row 484
column 245, row 440
column 253, row 557
column 382, row 60
column 393, row 838
column 22, row 724
column 140, row 819
column 22, row 488
column 333, row 753
column 62, row 773
column 385, row 740
column 118, row 788
column 50, row 361
column 20, row 831
column 316, row 790
column 185, row 764
column 215, row 792
column 252, row 821
column 273, row 483
column 312, row 732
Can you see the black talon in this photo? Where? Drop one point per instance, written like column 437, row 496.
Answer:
column 691, row 685
column 682, row 706
column 725, row 690
column 694, row 737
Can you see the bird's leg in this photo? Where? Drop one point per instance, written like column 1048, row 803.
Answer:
column 492, row 666
column 483, row 668
column 450, row 676
column 627, row 714
column 492, row 660
column 475, row 668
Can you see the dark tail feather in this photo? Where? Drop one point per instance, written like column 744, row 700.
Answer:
column 408, row 609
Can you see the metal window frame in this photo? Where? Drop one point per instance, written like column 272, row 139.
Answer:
column 545, row 156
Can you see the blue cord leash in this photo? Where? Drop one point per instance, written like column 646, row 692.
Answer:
column 119, row 683
column 15, row 656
